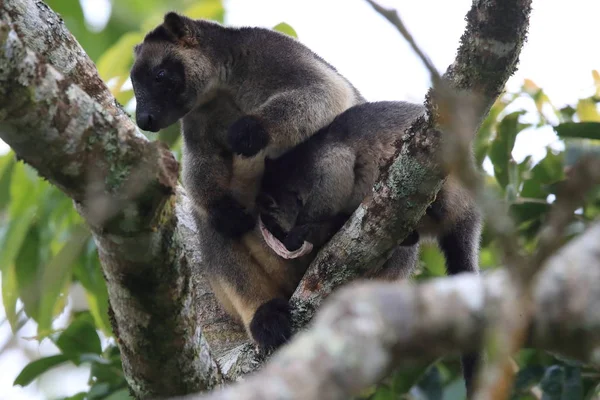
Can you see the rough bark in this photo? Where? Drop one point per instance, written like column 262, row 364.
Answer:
column 90, row 150
column 44, row 33
column 362, row 332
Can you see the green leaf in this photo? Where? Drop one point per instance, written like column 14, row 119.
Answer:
column 433, row 259
column 79, row 338
column 585, row 130
column 587, row 111
column 573, row 388
column 285, row 28
column 14, row 236
column 26, row 188
column 77, row 396
column 122, row 394
column 593, row 393
column 10, row 295
column 548, row 171
column 29, row 273
column 405, row 379
column 481, row 143
column 207, row 9
column 117, row 60
column 488, row 258
column 544, row 177
column 526, row 211
column 431, row 384
column 527, row 378
column 383, row 393
column 502, row 146
column 99, row 391
column 88, row 272
column 552, row 383
column 143, row 10
column 38, row 367
column 56, row 274
column 567, row 113
column 7, row 163
column 455, row 390
column 93, row 358
column 111, row 374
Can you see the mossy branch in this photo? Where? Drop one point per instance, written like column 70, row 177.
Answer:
column 122, row 184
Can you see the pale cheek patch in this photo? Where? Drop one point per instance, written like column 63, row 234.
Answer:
column 279, row 248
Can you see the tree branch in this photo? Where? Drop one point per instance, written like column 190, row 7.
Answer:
column 44, row 33
column 94, row 154
column 364, row 331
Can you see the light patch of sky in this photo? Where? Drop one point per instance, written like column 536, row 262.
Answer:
column 369, row 52
column 96, row 13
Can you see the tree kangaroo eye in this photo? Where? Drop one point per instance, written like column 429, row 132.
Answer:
column 160, row 76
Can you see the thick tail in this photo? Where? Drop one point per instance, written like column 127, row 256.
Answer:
column 460, row 246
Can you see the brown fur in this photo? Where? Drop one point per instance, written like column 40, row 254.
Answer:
column 242, row 95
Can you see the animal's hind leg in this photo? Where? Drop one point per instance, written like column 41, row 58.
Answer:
column 264, row 312
column 251, row 294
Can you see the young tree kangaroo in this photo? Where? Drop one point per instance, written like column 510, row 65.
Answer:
column 322, row 181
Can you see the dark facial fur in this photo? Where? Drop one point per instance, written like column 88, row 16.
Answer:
column 161, row 93
column 166, row 81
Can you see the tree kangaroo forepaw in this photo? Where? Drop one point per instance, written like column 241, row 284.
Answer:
column 229, row 218
column 247, row 136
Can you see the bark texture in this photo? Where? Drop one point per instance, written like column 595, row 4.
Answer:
column 362, row 332
column 91, row 150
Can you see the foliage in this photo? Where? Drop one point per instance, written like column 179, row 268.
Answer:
column 45, row 247
column 528, row 187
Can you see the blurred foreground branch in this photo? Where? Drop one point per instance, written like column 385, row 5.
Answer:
column 364, row 331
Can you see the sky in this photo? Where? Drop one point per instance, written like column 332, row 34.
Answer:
column 375, row 58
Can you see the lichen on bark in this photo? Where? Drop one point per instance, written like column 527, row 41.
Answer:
column 125, row 187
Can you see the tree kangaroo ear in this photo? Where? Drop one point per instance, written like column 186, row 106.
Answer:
column 179, row 26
